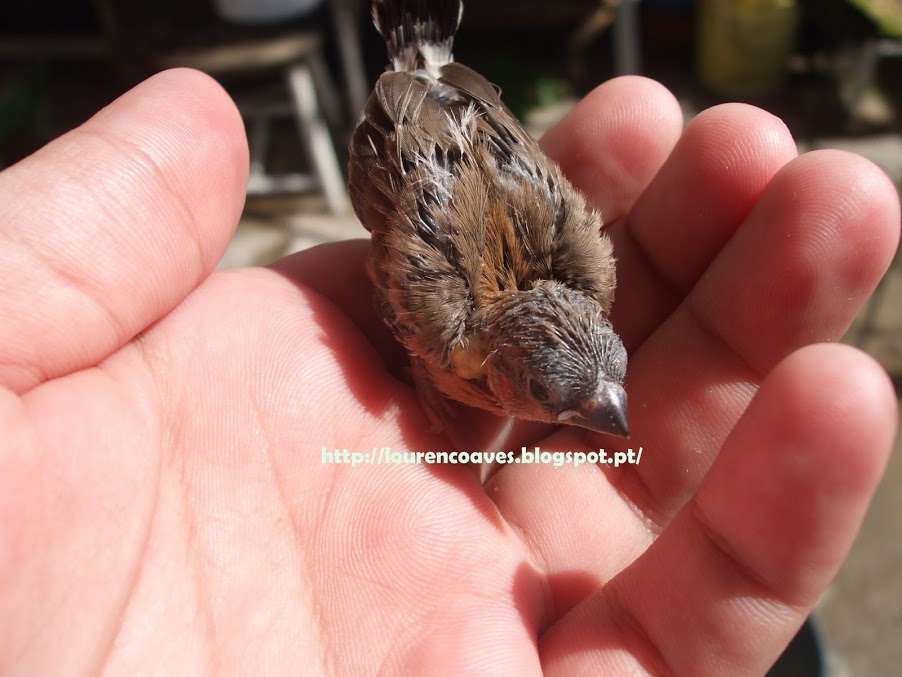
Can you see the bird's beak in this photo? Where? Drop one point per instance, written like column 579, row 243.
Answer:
column 604, row 412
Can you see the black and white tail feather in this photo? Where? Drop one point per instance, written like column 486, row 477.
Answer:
column 419, row 33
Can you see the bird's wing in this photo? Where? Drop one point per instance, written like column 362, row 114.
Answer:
column 405, row 159
column 554, row 236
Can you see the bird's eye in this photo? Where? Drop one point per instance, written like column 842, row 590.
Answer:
column 538, row 391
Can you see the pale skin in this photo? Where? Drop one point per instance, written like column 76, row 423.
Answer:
column 163, row 504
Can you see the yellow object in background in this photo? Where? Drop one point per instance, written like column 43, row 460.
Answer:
column 886, row 14
column 742, row 45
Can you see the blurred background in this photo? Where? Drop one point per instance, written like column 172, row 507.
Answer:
column 300, row 71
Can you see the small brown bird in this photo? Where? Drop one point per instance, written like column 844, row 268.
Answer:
column 487, row 264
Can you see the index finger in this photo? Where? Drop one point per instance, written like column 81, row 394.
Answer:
column 615, row 140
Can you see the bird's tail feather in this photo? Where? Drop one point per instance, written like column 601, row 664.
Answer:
column 418, row 33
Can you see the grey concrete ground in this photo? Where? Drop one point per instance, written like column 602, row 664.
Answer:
column 861, row 614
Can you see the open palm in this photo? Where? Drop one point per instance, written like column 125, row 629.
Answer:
column 164, row 505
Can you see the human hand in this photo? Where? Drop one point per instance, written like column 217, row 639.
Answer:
column 164, row 507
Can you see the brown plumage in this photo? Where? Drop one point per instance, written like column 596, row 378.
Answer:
column 487, row 264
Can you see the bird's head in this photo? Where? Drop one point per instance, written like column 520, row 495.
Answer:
column 553, row 356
